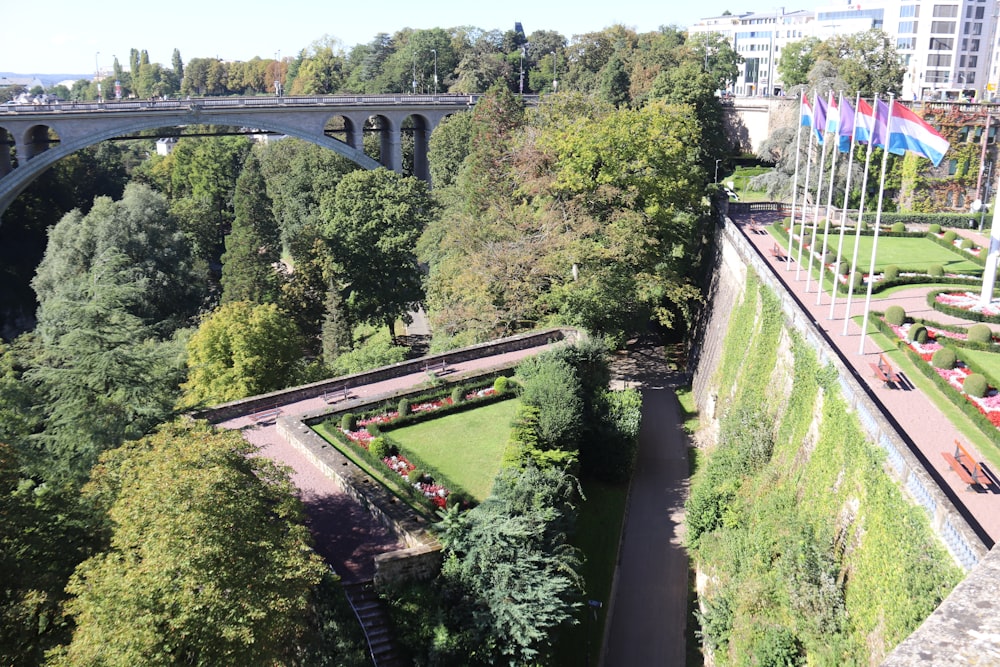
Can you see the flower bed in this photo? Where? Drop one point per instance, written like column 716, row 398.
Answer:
column 968, row 301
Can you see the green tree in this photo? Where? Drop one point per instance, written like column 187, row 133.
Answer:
column 449, row 146
column 253, row 247
column 240, row 350
column 796, row 60
column 866, row 61
column 510, row 577
column 372, row 223
column 208, row 559
column 177, row 64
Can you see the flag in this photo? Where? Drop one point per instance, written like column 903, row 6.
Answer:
column 805, row 112
column 832, row 116
column 846, row 125
column 865, row 124
column 908, row 132
column 819, row 118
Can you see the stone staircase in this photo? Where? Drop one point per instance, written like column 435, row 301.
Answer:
column 374, row 621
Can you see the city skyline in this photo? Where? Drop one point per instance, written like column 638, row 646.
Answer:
column 74, row 39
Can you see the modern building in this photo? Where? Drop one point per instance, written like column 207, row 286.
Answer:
column 949, row 47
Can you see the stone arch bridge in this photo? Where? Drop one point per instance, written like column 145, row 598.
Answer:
column 42, row 134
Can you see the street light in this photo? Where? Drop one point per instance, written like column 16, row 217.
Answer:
column 717, row 170
column 521, row 86
column 414, row 73
column 434, row 51
column 555, row 78
column 97, row 75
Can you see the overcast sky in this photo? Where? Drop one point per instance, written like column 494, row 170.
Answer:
column 74, row 37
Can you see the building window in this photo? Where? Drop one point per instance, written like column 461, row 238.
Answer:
column 939, row 60
column 903, row 43
column 975, row 12
column 970, row 77
column 945, row 11
column 973, row 44
column 909, row 10
column 945, row 27
column 937, row 76
column 977, row 28
column 941, row 44
column 907, row 27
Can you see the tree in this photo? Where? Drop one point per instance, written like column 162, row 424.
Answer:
column 208, row 559
column 253, row 247
column 240, row 350
column 177, row 64
column 448, row 147
column 796, row 60
column 866, row 61
column 509, row 575
column 372, row 224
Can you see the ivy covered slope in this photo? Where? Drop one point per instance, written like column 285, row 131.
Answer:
column 807, row 551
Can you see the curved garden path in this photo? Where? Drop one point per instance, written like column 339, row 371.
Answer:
column 922, row 422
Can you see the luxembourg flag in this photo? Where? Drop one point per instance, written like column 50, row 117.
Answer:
column 846, row 125
column 805, row 112
column 832, row 116
column 908, row 132
column 869, row 129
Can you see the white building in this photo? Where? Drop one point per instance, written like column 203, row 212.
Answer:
column 947, row 46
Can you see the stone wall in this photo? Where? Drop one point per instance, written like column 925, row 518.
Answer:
column 418, row 563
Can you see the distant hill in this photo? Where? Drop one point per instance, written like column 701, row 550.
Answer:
column 48, row 79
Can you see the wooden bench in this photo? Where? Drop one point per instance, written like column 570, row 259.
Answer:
column 777, row 253
column 334, row 395
column 968, row 469
column 265, row 415
column 437, row 367
column 884, row 371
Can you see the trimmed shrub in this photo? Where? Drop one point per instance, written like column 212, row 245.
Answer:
column 457, row 395
column 414, row 476
column 829, row 257
column 975, row 385
column 379, row 448
column 349, row 422
column 935, row 270
column 950, row 235
column 980, row 333
column 934, row 228
column 918, row 334
column 966, row 244
column 892, row 271
column 895, row 315
column 373, row 429
column 858, row 281
column 501, row 384
column 404, row 407
column 944, row 358
column 844, row 268
column 898, row 227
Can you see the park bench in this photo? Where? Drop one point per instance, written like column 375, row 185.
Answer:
column 337, row 394
column 884, row 371
column 265, row 415
column 968, row 469
column 755, row 226
column 437, row 367
column 777, row 253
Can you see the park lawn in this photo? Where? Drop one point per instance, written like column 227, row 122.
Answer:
column 988, row 361
column 597, row 535
column 465, row 447
column 907, row 253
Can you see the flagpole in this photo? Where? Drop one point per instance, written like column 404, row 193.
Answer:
column 795, row 183
column 878, row 221
column 843, row 211
column 829, row 206
column 861, row 214
column 805, row 190
column 819, row 193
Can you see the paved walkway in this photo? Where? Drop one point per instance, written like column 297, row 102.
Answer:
column 920, row 420
column 345, row 535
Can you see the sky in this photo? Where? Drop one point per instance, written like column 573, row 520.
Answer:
column 74, row 37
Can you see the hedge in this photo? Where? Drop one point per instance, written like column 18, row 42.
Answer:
column 944, row 219
column 960, row 312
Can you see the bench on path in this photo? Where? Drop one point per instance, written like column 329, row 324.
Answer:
column 884, row 371
column 968, row 469
column 437, row 367
column 265, row 415
column 777, row 253
column 334, row 395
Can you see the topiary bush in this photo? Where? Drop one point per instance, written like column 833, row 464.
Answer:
column 844, row 268
column 373, row 429
column 935, row 270
column 404, row 407
column 829, row 257
column 457, row 395
column 918, row 334
column 379, row 448
column 895, row 315
column 349, row 422
column 501, row 384
column 966, row 244
column 857, row 281
column 898, row 227
column 975, row 385
column 950, row 235
column 980, row 333
column 415, row 476
column 944, row 358
column 891, row 272
column 934, row 228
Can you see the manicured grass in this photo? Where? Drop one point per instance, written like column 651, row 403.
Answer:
column 909, row 254
column 739, row 180
column 988, row 361
column 465, row 447
column 597, row 535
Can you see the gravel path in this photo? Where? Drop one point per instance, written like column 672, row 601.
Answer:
column 919, row 418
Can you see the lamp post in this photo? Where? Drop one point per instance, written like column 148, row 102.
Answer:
column 521, row 85
column 97, row 74
column 414, row 73
column 434, row 51
column 555, row 77
column 717, row 170
column 277, row 74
